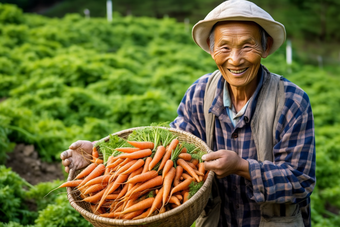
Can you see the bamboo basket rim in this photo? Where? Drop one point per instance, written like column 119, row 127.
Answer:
column 149, row 220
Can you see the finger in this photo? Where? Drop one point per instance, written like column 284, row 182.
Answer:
column 67, row 169
column 66, row 162
column 66, row 154
column 211, row 165
column 75, row 145
column 211, row 156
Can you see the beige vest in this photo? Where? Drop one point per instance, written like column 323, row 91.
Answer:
column 264, row 121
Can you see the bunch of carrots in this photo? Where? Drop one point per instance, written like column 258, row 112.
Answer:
column 141, row 178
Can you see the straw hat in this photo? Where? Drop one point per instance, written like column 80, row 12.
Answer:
column 238, row 10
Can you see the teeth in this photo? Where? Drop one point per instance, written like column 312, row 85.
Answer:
column 238, row 71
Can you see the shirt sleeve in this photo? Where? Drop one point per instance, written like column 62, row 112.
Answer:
column 290, row 178
column 190, row 111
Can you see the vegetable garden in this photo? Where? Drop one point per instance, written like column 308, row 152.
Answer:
column 75, row 78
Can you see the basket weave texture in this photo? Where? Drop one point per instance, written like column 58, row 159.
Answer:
column 181, row 216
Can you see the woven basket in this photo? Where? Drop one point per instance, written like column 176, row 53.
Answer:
column 181, row 216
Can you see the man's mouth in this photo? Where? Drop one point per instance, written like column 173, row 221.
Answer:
column 238, row 71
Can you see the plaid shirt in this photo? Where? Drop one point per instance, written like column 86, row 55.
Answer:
column 290, row 178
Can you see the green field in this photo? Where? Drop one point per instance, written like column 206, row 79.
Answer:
column 74, row 78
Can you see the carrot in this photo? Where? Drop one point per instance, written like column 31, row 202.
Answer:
column 142, row 145
column 97, row 160
column 201, row 167
column 143, row 177
column 195, row 162
column 182, row 186
column 143, row 215
column 167, row 184
column 192, row 165
column 112, row 187
column 198, row 173
column 137, row 154
column 206, row 175
column 186, row 176
column 139, row 163
column 149, row 184
column 167, row 155
column 157, row 202
column 162, row 210
column 98, row 180
column 179, row 171
column 95, row 198
column 178, row 195
column 185, row 156
column 146, row 165
column 127, row 149
column 133, row 174
column 174, row 199
column 95, row 188
column 125, row 167
column 95, row 173
column 144, row 204
column 158, row 156
column 115, row 163
column 86, row 171
column 113, row 196
column 123, row 191
column 71, row 184
column 167, row 167
column 185, row 196
column 184, row 150
column 131, row 215
column 187, row 168
column 95, row 153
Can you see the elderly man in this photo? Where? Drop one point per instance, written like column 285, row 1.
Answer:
column 259, row 124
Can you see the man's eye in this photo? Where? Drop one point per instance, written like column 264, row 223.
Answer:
column 245, row 47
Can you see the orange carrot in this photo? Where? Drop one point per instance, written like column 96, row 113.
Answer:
column 198, row 173
column 133, row 174
column 97, row 160
column 125, row 167
column 146, row 165
column 179, row 171
column 187, row 168
column 185, row 156
column 167, row 184
column 95, row 173
column 162, row 210
column 115, row 163
column 174, row 199
column 95, row 188
column 95, row 198
column 133, row 214
column 178, row 195
column 143, row 177
column 98, row 180
column 149, row 184
column 112, row 187
column 95, row 153
column 184, row 150
column 144, row 204
column 139, row 163
column 137, row 154
column 123, row 191
column 158, row 156
column 182, row 186
column 71, row 184
column 86, row 171
column 143, row 215
column 127, row 149
column 169, row 150
column 157, row 202
column 142, row 145
column 186, row 176
column 201, row 167
column 167, row 167
column 195, row 162
column 113, row 196
column 192, row 165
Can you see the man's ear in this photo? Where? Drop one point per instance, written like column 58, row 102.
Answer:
column 270, row 42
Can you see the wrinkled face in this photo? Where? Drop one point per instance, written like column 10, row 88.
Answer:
column 238, row 52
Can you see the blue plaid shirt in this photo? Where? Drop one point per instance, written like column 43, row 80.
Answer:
column 290, row 178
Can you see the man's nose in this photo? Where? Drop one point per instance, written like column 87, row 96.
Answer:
column 235, row 57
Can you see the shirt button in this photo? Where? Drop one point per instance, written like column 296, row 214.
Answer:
column 234, row 135
column 246, row 119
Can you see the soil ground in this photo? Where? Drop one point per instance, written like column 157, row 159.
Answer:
column 24, row 160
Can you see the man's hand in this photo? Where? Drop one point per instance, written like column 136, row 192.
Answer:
column 78, row 155
column 226, row 162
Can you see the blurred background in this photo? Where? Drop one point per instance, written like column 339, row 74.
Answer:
column 76, row 69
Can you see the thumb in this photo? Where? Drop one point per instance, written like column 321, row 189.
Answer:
column 211, row 156
column 75, row 145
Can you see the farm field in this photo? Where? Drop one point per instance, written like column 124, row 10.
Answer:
column 74, row 78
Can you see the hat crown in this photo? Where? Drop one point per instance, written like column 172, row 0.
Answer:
column 237, row 8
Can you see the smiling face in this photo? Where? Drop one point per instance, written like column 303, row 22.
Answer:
column 238, row 52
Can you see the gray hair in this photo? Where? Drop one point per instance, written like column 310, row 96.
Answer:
column 263, row 33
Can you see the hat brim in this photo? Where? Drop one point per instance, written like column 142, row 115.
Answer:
column 201, row 30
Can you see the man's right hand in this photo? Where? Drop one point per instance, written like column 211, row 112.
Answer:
column 78, row 155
